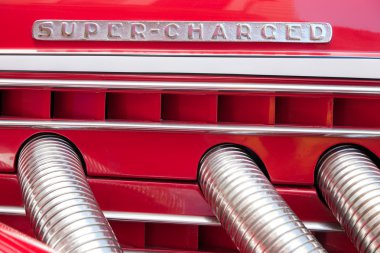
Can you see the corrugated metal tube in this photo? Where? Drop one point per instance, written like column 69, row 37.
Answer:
column 58, row 199
column 349, row 181
column 248, row 206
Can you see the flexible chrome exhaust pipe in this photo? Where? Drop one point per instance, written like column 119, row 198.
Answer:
column 58, row 199
column 247, row 205
column 350, row 184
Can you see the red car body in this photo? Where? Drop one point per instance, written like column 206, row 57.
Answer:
column 154, row 170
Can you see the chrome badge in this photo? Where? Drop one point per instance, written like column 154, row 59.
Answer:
column 182, row 31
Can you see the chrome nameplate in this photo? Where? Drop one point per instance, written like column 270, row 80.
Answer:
column 182, row 31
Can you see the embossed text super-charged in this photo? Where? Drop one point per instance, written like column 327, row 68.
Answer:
column 302, row 32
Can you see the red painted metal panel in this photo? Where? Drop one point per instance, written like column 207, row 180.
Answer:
column 118, row 153
column 154, row 197
column 360, row 113
column 26, row 103
column 305, row 110
column 336, row 242
column 12, row 240
column 141, row 106
column 79, row 105
column 189, row 108
column 124, row 154
column 175, row 198
column 246, row 109
column 170, row 198
column 171, row 158
column 182, row 237
column 129, row 234
column 351, row 35
column 215, row 239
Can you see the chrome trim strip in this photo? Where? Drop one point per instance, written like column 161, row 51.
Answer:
column 180, row 127
column 193, row 86
column 322, row 226
column 142, row 251
column 182, row 31
column 162, row 218
column 135, row 216
column 172, row 218
column 340, row 67
column 200, row 53
column 12, row 210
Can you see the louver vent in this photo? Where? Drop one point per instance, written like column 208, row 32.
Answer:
column 192, row 107
column 190, row 113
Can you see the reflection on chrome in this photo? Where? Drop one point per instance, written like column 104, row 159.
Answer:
column 305, row 66
column 350, row 183
column 193, row 86
column 249, row 208
column 58, row 200
column 201, row 128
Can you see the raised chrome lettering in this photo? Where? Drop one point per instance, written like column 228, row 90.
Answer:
column 138, row 30
column 90, row 28
column 68, row 28
column 113, row 30
column 200, row 31
column 171, row 31
column 269, row 32
column 219, row 31
column 45, row 29
column 317, row 32
column 243, row 30
column 293, row 32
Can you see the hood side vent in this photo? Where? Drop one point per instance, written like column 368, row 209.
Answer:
column 309, row 110
column 143, row 106
column 25, row 103
column 87, row 105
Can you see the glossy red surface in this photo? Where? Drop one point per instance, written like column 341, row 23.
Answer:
column 189, row 108
column 296, row 157
column 78, row 105
column 355, row 24
column 156, row 172
column 123, row 154
column 188, row 78
column 169, row 197
column 167, row 180
column 123, row 106
column 14, row 241
column 174, row 198
column 26, row 103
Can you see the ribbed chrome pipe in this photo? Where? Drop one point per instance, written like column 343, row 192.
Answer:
column 58, row 199
column 248, row 206
column 350, row 184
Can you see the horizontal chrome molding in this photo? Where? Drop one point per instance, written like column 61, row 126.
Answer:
column 193, row 86
column 339, row 67
column 181, row 127
column 186, row 53
column 12, row 210
column 135, row 216
column 172, row 219
column 322, row 226
column 162, row 218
